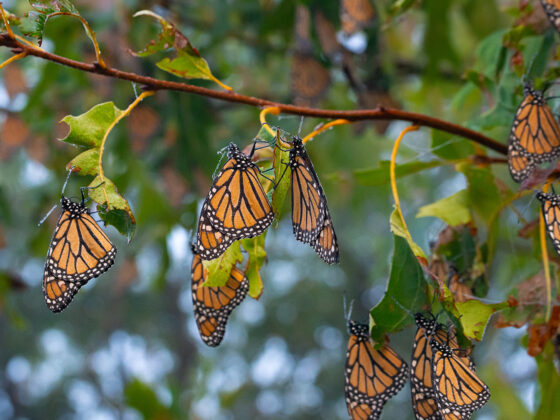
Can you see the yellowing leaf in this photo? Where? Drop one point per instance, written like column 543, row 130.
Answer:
column 453, row 210
column 398, row 229
column 86, row 163
column 188, row 64
column 474, row 316
column 113, row 208
column 282, row 179
column 220, row 268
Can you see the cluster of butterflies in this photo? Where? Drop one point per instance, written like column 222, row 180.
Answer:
column 535, row 139
column 237, row 207
column 443, row 380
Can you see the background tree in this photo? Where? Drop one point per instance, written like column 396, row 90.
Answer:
column 128, row 346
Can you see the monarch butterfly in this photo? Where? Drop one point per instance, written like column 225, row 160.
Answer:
column 355, row 14
column 311, row 219
column 236, row 206
column 79, row 250
column 309, row 79
column 423, row 396
column 424, row 401
column 213, row 305
column 459, row 392
column 551, row 213
column 552, row 9
column 371, row 376
column 534, row 137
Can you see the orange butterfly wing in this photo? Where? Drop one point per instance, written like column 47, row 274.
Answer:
column 213, row 305
column 79, row 249
column 371, row 376
column 237, row 204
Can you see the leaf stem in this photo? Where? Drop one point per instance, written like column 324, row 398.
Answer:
column 12, row 59
column 393, row 176
column 324, row 128
column 6, row 22
column 546, row 265
column 126, row 112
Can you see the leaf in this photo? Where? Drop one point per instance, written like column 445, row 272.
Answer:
column 33, row 24
column 406, row 287
column 86, row 163
column 381, row 175
column 89, row 128
column 474, row 316
column 484, row 197
column 188, row 63
column 453, row 210
column 257, row 256
column 113, row 208
column 144, row 399
column 398, row 229
column 447, row 146
column 220, row 268
column 282, row 179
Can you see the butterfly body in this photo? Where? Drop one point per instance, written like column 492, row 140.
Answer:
column 79, row 251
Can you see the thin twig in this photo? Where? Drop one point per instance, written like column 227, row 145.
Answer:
column 379, row 113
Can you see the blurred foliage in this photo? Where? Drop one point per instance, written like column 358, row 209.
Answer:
column 127, row 347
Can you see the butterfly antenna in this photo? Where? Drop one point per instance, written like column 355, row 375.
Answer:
column 222, row 153
column 300, row 125
column 347, row 310
column 47, row 215
column 66, row 181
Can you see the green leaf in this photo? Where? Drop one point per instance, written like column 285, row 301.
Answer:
column 144, row 399
column 265, row 135
column 113, row 207
column 381, row 175
column 188, row 63
column 447, row 146
column 86, row 163
column 549, row 383
column 398, row 229
column 33, row 24
column 187, row 66
column 406, row 286
column 453, row 210
column 474, row 316
column 220, row 268
column 257, row 256
column 484, row 197
column 89, row 128
column 282, row 179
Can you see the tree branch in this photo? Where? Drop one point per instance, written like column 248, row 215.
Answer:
column 380, row 113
